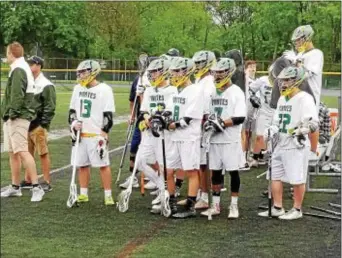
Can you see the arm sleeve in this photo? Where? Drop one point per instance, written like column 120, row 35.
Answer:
column 18, row 89
column 240, row 105
column 109, row 100
column 49, row 107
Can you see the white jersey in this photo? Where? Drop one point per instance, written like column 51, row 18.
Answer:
column 290, row 113
column 207, row 85
column 41, row 82
column 228, row 104
column 187, row 103
column 313, row 62
column 90, row 103
column 264, row 88
column 249, row 81
column 152, row 98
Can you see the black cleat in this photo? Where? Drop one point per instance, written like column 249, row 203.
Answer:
column 25, row 185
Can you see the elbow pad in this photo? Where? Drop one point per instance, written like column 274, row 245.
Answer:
column 238, row 120
column 183, row 122
column 107, row 121
column 72, row 116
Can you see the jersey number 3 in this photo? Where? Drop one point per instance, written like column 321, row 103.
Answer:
column 285, row 120
column 85, row 108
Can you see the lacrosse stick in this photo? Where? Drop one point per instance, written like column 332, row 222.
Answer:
column 165, row 198
column 73, row 187
column 124, row 196
column 142, row 62
column 206, row 143
column 270, row 150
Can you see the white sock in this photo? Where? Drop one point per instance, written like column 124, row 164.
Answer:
column 234, row 200
column 84, row 191
column 108, row 193
column 204, row 196
column 216, row 200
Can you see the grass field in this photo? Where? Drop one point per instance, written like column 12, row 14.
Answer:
column 50, row 229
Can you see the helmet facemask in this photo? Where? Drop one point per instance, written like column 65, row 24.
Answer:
column 85, row 76
column 179, row 76
column 157, row 77
column 202, row 67
column 221, row 78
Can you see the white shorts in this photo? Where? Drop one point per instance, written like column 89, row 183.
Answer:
column 290, row 166
column 87, row 154
column 183, row 155
column 153, row 154
column 225, row 156
column 262, row 122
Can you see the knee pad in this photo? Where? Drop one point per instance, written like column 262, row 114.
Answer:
column 216, row 178
column 234, row 181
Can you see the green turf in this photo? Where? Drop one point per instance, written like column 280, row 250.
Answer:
column 50, row 229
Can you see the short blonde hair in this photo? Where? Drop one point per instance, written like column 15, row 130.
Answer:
column 16, row 49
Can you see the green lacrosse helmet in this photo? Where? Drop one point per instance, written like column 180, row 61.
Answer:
column 223, row 71
column 301, row 37
column 290, row 78
column 180, row 70
column 87, row 71
column 204, row 60
column 158, row 71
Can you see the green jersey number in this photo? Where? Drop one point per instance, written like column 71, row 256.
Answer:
column 176, row 113
column 285, row 120
column 218, row 111
column 85, row 108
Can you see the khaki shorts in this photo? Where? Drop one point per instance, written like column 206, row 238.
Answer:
column 38, row 141
column 15, row 135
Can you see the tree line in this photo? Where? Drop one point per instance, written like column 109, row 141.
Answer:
column 125, row 29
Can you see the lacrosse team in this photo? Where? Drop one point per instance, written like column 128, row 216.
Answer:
column 193, row 117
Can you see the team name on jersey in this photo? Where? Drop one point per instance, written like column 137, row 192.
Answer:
column 156, row 98
column 286, row 108
column 86, row 94
column 219, row 102
column 179, row 100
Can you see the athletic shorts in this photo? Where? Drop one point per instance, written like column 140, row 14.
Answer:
column 184, row 155
column 262, row 122
column 226, row 156
column 87, row 154
column 290, row 166
column 15, row 135
column 38, row 141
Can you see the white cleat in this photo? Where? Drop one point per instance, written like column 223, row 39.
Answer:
column 233, row 211
column 126, row 183
column 215, row 210
column 291, row 215
column 253, row 163
column 150, row 186
column 37, row 194
column 10, row 191
column 156, row 209
column 157, row 200
column 274, row 212
column 201, row 204
column 155, row 192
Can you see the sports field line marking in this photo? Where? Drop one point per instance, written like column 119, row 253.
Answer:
column 67, row 166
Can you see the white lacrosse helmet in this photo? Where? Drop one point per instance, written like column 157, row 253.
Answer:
column 223, row 71
column 204, row 60
column 158, row 71
column 180, row 70
column 301, row 37
column 87, row 71
column 290, row 78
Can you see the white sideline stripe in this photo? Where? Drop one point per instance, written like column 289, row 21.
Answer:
column 67, row 166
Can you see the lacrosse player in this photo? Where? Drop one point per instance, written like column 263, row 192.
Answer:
column 154, row 101
column 263, row 86
column 309, row 57
column 91, row 112
column 204, row 60
column 228, row 106
column 294, row 118
column 185, row 126
column 45, row 97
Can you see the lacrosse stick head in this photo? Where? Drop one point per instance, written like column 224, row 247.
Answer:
column 72, row 200
column 142, row 62
column 123, row 201
column 165, row 204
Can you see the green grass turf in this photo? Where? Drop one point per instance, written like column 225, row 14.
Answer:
column 50, row 229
